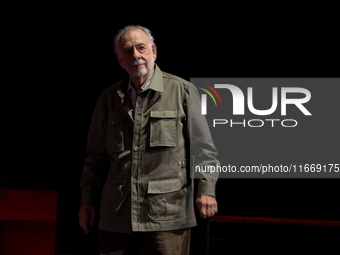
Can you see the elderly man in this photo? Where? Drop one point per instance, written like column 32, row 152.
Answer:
column 138, row 147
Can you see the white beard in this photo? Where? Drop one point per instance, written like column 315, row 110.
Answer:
column 140, row 72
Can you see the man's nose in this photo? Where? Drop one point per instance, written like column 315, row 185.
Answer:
column 136, row 54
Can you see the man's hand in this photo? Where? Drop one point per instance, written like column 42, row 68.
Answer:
column 207, row 206
column 87, row 214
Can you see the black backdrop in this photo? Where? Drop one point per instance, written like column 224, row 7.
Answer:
column 57, row 69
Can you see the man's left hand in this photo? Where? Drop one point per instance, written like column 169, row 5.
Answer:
column 207, row 206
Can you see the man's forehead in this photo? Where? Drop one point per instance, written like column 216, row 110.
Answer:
column 134, row 36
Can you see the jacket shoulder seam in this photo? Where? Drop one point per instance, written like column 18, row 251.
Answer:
column 176, row 78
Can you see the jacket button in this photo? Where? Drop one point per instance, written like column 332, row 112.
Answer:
column 135, row 148
column 134, row 181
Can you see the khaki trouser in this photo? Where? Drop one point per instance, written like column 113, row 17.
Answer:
column 176, row 242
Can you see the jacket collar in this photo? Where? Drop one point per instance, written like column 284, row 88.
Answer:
column 156, row 83
column 157, row 80
column 156, row 86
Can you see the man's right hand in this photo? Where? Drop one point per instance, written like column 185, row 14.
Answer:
column 87, row 215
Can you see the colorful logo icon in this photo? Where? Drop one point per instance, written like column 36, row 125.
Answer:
column 213, row 90
column 204, row 97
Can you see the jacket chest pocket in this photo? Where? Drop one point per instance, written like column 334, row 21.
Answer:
column 115, row 135
column 163, row 128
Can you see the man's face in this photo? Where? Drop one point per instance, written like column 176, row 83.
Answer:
column 136, row 54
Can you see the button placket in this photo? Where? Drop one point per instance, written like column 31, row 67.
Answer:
column 135, row 160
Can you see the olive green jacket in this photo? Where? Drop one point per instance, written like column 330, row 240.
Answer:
column 142, row 155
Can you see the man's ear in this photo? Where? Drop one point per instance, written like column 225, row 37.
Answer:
column 154, row 51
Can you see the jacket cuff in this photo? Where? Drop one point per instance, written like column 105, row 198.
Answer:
column 206, row 187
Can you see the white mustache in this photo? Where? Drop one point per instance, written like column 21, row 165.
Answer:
column 137, row 63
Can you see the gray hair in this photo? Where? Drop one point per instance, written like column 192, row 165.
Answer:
column 131, row 27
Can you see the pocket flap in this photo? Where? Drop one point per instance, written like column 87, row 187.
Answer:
column 163, row 114
column 164, row 186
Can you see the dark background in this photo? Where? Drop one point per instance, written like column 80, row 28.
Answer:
column 56, row 70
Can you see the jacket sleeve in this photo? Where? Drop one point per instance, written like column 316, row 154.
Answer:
column 97, row 162
column 202, row 149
